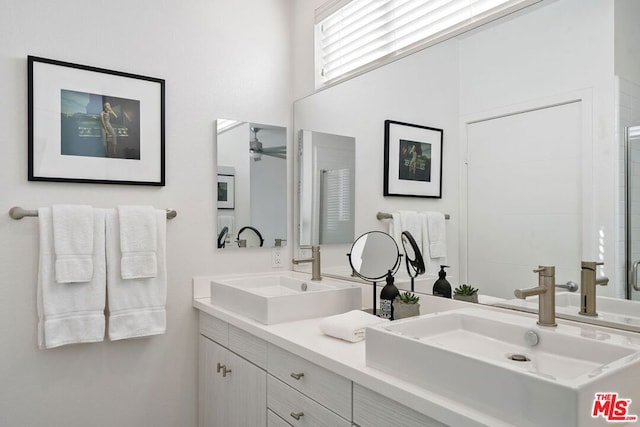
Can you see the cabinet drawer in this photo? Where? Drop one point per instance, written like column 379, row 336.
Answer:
column 214, row 329
column 275, row 421
column 326, row 387
column 374, row 410
column 250, row 347
column 298, row 409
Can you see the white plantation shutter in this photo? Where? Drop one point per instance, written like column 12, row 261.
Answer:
column 336, row 205
column 362, row 34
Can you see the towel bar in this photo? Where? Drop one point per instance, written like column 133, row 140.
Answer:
column 384, row 215
column 19, row 213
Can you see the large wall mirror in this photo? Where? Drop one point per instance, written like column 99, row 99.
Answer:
column 533, row 152
column 252, row 184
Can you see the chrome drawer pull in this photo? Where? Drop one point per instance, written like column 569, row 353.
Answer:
column 297, row 376
column 297, row 415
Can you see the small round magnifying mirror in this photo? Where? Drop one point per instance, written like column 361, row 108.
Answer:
column 413, row 257
column 374, row 255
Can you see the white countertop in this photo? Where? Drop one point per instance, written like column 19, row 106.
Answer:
column 304, row 338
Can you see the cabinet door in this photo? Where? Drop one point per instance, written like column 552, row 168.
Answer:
column 234, row 396
column 246, row 392
column 213, row 409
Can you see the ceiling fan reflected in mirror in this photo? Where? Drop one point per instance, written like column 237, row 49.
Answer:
column 256, row 149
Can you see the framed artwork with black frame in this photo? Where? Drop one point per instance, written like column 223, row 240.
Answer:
column 412, row 160
column 89, row 124
column 226, row 191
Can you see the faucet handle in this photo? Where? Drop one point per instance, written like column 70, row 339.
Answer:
column 548, row 271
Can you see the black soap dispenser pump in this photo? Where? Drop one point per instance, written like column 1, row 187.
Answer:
column 387, row 295
column 442, row 288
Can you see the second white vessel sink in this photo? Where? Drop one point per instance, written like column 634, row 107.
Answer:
column 508, row 366
column 285, row 296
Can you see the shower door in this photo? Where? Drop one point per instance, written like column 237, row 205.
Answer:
column 633, row 212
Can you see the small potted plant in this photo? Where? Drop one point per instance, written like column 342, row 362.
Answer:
column 465, row 292
column 406, row 305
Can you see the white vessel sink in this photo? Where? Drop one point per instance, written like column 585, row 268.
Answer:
column 468, row 355
column 282, row 297
column 612, row 312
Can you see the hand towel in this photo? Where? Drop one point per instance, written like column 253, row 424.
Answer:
column 70, row 313
column 395, row 229
column 349, row 326
column 437, row 235
column 136, row 306
column 432, row 265
column 138, row 241
column 411, row 222
column 73, row 242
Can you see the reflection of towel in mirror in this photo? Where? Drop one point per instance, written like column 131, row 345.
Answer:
column 395, row 229
column 406, row 221
column 434, row 241
column 349, row 326
column 412, row 222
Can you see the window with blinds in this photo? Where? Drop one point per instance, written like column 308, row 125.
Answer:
column 353, row 36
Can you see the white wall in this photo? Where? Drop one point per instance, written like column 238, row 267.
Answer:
column 219, row 59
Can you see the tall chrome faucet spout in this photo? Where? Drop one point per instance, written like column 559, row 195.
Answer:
column 546, row 291
column 314, row 260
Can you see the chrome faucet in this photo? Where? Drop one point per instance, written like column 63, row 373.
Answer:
column 314, row 260
column 546, row 291
column 588, row 283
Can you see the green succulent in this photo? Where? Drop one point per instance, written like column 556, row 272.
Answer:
column 464, row 289
column 408, row 298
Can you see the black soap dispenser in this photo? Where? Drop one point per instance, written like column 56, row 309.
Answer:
column 442, row 288
column 387, row 295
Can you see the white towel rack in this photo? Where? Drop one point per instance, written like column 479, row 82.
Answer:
column 19, row 213
column 384, row 215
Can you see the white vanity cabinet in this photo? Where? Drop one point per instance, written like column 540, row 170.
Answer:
column 266, row 385
column 232, row 384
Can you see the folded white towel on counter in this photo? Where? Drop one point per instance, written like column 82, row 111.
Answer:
column 70, row 313
column 138, row 241
column 73, row 242
column 349, row 326
column 136, row 306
